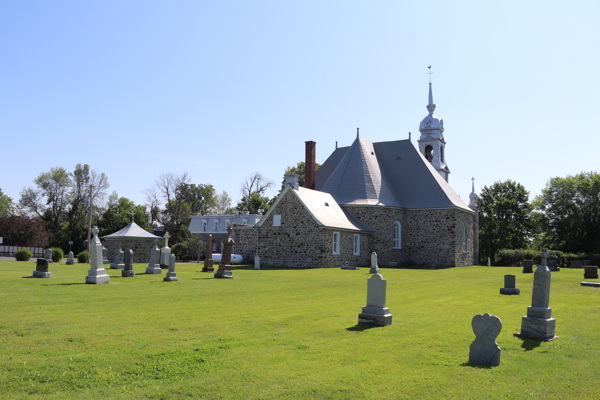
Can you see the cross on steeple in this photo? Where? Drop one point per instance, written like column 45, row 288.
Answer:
column 545, row 255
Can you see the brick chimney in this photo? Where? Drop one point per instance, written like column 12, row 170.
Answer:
column 310, row 168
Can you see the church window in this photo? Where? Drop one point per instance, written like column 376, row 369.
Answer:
column 397, row 235
column 336, row 243
column 277, row 220
column 245, row 221
column 356, row 244
column 429, row 153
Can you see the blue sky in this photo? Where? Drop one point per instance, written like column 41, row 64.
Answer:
column 222, row 89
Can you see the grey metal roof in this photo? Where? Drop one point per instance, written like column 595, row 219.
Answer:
column 131, row 231
column 406, row 178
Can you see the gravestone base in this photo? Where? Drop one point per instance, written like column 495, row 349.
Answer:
column 479, row 354
column 41, row 274
column 591, row 284
column 537, row 328
column 164, row 266
column 171, row 277
column 510, row 291
column 128, row 273
column 224, row 274
column 528, row 270
column 375, row 316
column 117, row 266
column 71, row 262
column 349, row 267
column 97, row 280
column 155, row 270
column 590, row 272
column 208, row 269
column 554, row 269
column 374, row 270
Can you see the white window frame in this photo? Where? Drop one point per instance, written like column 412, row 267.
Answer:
column 277, row 220
column 216, row 228
column 204, row 225
column 356, row 244
column 335, row 245
column 397, row 239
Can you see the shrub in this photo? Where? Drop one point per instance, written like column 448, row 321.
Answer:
column 57, row 254
column 83, row 256
column 23, row 254
column 179, row 250
column 514, row 257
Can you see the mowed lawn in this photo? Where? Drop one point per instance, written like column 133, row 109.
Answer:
column 286, row 334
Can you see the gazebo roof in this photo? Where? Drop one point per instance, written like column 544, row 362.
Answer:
column 131, row 231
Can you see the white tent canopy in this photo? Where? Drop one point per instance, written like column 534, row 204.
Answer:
column 131, row 231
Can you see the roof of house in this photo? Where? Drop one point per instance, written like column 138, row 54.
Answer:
column 131, row 231
column 323, row 208
column 385, row 174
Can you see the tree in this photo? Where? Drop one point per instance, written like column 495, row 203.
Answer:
column 223, row 204
column 255, row 184
column 570, row 213
column 504, row 219
column 20, row 230
column 255, row 204
column 119, row 213
column 298, row 169
column 6, row 205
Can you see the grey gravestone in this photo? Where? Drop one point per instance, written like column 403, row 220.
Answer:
column 171, row 275
column 346, row 265
column 376, row 311
column 48, row 255
column 153, row 265
column 484, row 350
column 590, row 272
column 97, row 273
column 576, row 264
column 528, row 266
column 70, row 259
column 165, row 253
column 374, row 267
column 553, row 263
column 104, row 257
column 128, row 271
column 538, row 323
column 586, row 262
column 256, row 262
column 592, row 284
column 510, row 285
column 41, row 269
column 118, row 261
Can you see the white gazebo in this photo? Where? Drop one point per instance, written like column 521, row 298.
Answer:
column 131, row 237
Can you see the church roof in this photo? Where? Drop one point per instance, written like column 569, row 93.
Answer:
column 406, row 178
column 131, row 231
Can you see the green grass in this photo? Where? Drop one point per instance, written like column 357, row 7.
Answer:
column 286, row 334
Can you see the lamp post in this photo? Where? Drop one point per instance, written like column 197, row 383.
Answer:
column 91, row 206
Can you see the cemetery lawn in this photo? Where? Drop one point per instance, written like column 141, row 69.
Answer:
column 286, row 334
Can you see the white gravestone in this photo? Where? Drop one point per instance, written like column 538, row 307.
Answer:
column 48, row 255
column 153, row 265
column 484, row 350
column 376, row 311
column 97, row 273
column 128, row 271
column 171, row 275
column 165, row 253
column 118, row 262
column 257, row 262
column 70, row 259
column 538, row 323
column 374, row 266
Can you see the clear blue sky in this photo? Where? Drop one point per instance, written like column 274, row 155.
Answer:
column 222, row 89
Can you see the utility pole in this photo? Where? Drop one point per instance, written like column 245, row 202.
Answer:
column 90, row 221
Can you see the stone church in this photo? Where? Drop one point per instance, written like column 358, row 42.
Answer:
column 391, row 198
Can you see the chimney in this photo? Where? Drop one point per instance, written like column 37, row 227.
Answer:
column 292, row 180
column 310, row 169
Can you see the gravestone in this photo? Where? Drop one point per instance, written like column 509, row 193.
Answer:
column 70, row 258
column 586, row 262
column 484, row 350
column 41, row 269
column 376, row 311
column 104, row 256
column 96, row 274
column 118, row 261
column 171, row 275
column 128, row 271
column 553, row 263
column 153, row 265
column 510, row 285
column 528, row 266
column 590, row 272
column 256, row 262
column 208, row 261
column 48, row 255
column 165, row 253
column 224, row 271
column 346, row 265
column 576, row 264
column 374, row 267
column 538, row 323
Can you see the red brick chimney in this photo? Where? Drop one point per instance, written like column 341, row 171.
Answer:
column 310, row 168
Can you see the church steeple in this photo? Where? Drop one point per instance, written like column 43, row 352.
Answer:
column 432, row 143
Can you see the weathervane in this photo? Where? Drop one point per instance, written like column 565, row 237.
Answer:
column 429, row 73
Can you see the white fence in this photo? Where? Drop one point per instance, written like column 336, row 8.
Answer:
column 9, row 251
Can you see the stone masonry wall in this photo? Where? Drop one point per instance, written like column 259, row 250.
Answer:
column 331, row 260
column 141, row 248
column 464, row 258
column 245, row 242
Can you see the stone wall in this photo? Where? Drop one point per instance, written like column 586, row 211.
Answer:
column 141, row 248
column 245, row 242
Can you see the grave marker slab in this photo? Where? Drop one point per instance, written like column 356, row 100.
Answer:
column 590, row 272
column 208, row 260
column 484, row 350
column 374, row 267
column 153, row 265
column 510, row 285
column 528, row 266
column 96, row 274
column 70, row 258
column 118, row 261
column 128, row 271
column 256, row 262
column 171, row 275
column 224, row 271
column 48, row 255
column 104, row 256
column 553, row 263
column 347, row 265
column 165, row 253
column 376, row 311
column 41, row 269
column 576, row 264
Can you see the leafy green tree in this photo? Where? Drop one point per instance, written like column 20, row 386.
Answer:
column 504, row 219
column 570, row 213
column 298, row 169
column 255, row 204
column 6, row 205
column 223, row 204
column 118, row 214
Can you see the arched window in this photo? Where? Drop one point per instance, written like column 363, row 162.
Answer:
column 397, row 235
column 429, row 153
